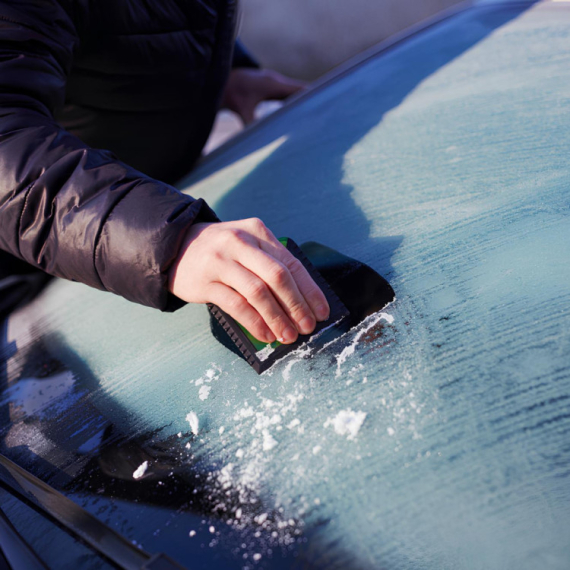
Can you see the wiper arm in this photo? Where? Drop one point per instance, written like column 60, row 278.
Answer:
column 77, row 521
column 17, row 552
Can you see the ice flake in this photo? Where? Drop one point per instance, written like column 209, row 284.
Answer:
column 192, row 419
column 140, row 470
column 347, row 422
column 204, row 392
column 294, row 423
column 268, row 441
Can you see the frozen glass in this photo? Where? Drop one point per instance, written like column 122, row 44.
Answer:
column 436, row 434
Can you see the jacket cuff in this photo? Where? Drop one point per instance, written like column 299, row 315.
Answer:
column 141, row 239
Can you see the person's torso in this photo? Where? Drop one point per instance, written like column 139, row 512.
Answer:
column 147, row 78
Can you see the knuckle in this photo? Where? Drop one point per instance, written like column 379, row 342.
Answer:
column 235, row 304
column 295, row 266
column 277, row 321
column 258, row 227
column 257, row 289
column 279, row 274
column 233, row 236
column 298, row 309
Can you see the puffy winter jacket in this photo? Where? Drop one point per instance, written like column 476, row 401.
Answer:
column 140, row 78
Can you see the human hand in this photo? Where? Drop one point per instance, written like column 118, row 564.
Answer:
column 244, row 269
column 247, row 87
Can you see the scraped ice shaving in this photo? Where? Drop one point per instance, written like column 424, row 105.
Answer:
column 294, row 423
column 204, row 392
column 210, row 374
column 316, row 449
column 368, row 324
column 264, row 353
column 347, row 422
column 192, row 533
column 323, row 331
column 268, row 441
column 140, row 470
column 192, row 419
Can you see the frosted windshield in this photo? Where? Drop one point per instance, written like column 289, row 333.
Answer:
column 434, row 435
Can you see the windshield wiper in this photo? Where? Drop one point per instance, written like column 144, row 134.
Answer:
column 76, row 521
column 16, row 551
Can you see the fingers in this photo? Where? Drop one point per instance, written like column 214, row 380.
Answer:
column 260, row 296
column 305, row 284
column 280, row 87
column 286, row 277
column 282, row 286
column 241, row 267
column 238, row 307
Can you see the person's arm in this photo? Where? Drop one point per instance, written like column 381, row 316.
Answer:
column 81, row 214
column 74, row 211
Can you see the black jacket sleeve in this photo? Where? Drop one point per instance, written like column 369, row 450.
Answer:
column 73, row 211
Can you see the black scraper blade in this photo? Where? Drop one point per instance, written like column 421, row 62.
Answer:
column 353, row 291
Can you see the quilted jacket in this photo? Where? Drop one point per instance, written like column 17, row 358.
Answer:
column 100, row 100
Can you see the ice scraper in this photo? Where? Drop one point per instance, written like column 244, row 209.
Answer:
column 353, row 289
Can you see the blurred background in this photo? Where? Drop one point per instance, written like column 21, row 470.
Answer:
column 305, row 39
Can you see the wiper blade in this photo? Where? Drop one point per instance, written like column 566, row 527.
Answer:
column 17, row 552
column 77, row 521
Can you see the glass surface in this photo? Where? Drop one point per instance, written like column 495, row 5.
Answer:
column 436, row 434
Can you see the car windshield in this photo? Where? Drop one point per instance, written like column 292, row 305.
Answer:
column 435, row 434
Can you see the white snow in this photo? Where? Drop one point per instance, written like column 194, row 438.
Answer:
column 204, row 392
column 268, row 441
column 367, row 324
column 140, row 470
column 192, row 419
column 260, row 519
column 347, row 422
column 264, row 353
